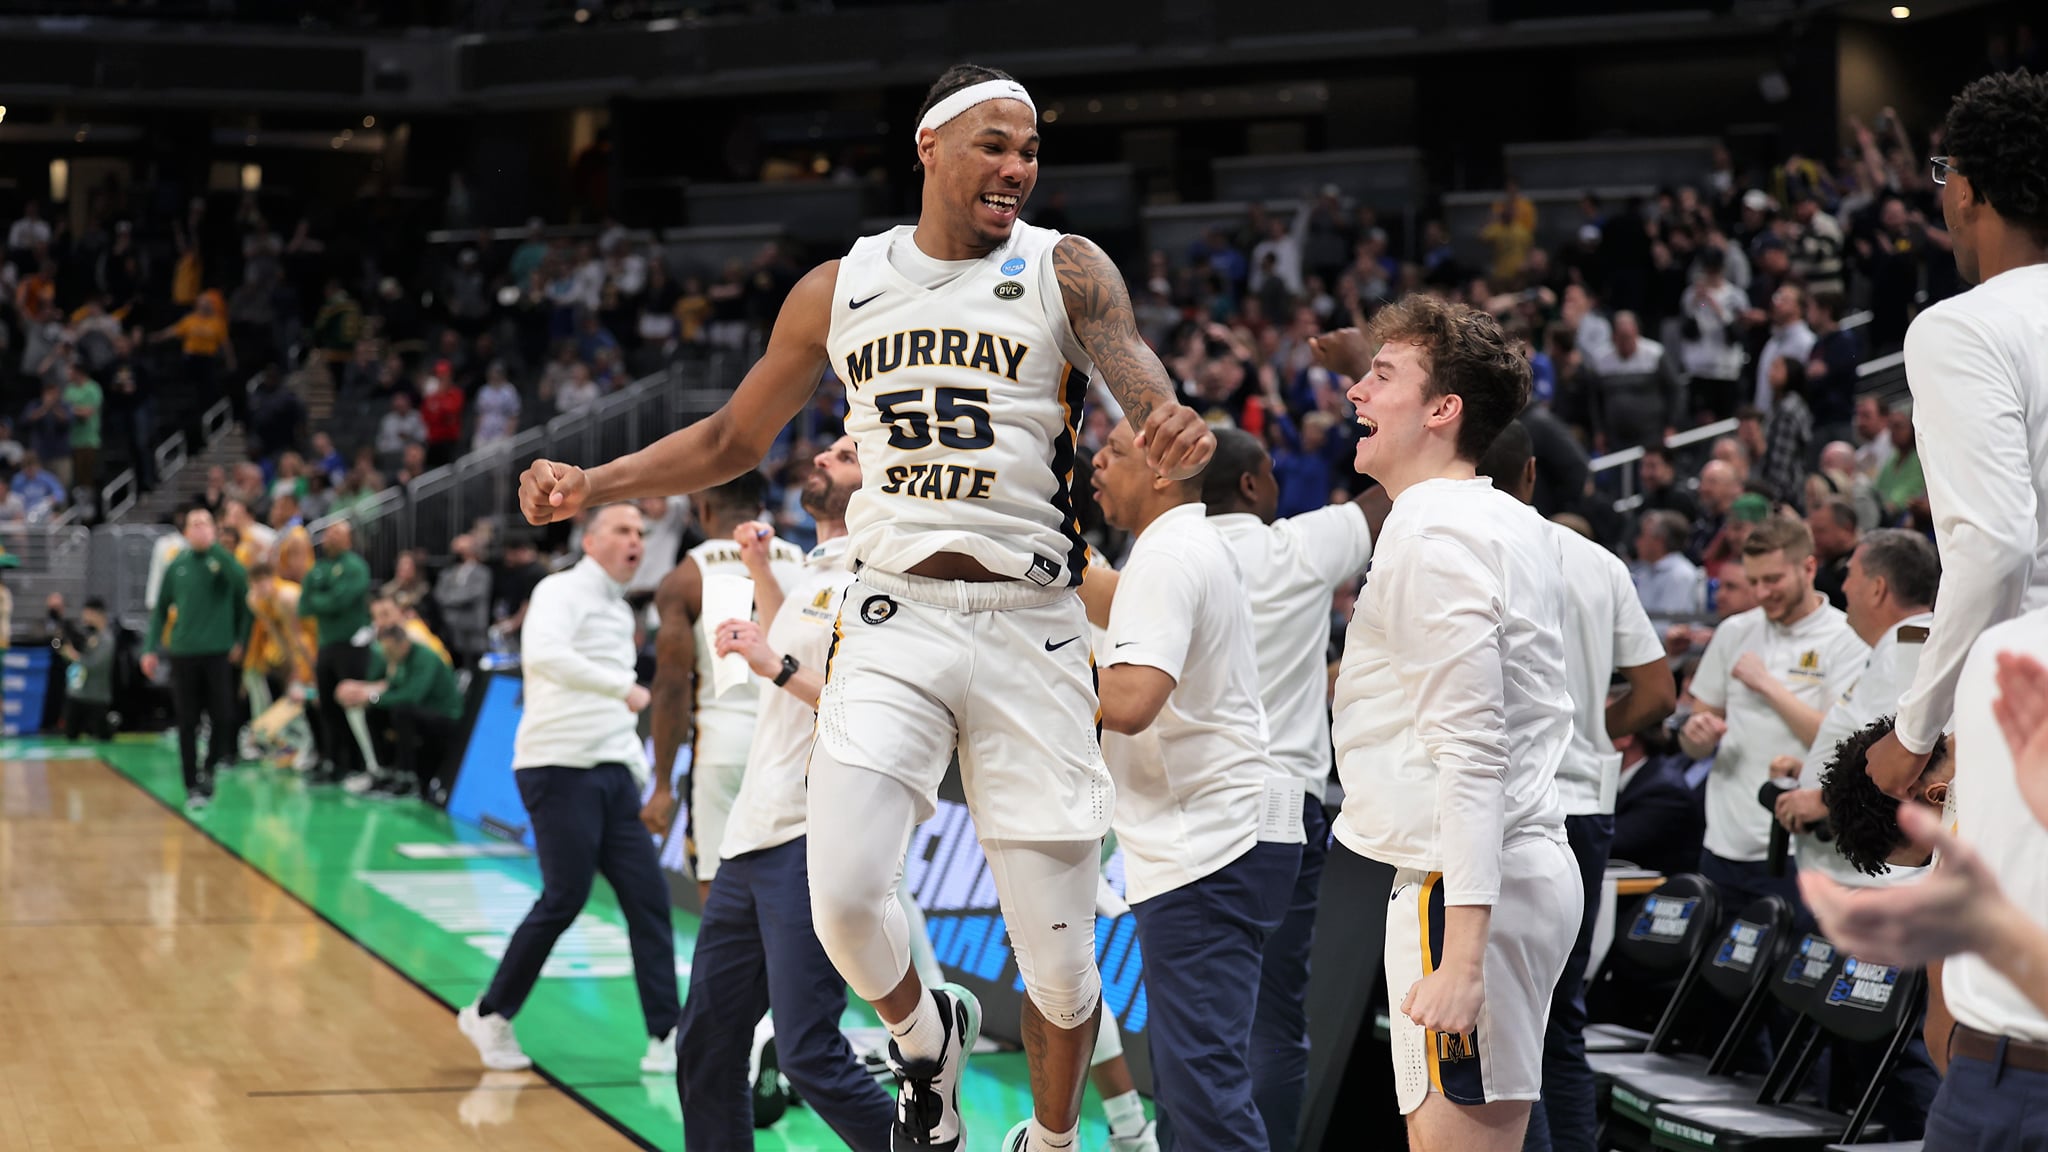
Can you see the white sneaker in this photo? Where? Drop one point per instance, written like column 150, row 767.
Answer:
column 928, row 1104
column 661, row 1056
column 1145, row 1139
column 494, row 1040
column 359, row 783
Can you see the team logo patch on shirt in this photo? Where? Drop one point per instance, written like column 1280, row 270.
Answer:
column 877, row 609
column 1009, row 290
column 1013, row 265
column 1809, row 666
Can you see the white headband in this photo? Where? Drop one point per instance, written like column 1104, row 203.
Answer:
column 952, row 106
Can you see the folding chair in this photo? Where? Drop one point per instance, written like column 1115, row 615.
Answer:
column 1857, row 1001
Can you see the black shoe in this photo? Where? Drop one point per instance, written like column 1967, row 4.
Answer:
column 928, row 1105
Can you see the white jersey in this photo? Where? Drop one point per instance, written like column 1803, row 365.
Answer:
column 1993, row 817
column 964, row 393
column 725, row 724
column 1451, row 710
column 1816, row 658
column 1605, row 628
column 1180, row 608
column 1875, row 692
column 1291, row 569
column 770, row 807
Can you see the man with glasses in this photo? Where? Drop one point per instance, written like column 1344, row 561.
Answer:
column 1978, row 367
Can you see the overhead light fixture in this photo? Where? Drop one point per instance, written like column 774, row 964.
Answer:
column 369, row 121
column 1901, row 12
column 60, row 180
column 252, row 177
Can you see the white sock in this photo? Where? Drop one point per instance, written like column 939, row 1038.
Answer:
column 1040, row 1140
column 1126, row 1113
column 923, row 1035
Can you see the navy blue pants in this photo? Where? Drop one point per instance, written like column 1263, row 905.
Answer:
column 756, row 950
column 1983, row 1107
column 1204, row 945
column 1280, row 1025
column 1565, row 1118
column 587, row 821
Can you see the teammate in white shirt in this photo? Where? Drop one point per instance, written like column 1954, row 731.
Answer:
column 1212, row 830
column 966, row 343
column 1758, row 694
column 1606, row 630
column 755, row 946
column 1890, row 588
column 1291, row 568
column 719, row 726
column 1451, row 721
column 1978, row 366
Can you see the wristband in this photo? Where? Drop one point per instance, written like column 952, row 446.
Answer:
column 789, row 667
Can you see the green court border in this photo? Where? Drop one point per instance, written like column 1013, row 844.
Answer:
column 311, row 843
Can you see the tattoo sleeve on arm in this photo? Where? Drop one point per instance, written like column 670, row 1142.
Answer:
column 1099, row 308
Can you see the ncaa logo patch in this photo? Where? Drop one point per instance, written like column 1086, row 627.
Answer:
column 1013, row 265
column 1009, row 290
column 877, row 609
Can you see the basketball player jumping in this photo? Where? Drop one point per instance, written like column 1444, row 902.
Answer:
column 966, row 342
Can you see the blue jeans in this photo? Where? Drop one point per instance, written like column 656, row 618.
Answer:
column 1204, row 946
column 1280, row 1025
column 586, row 821
column 756, row 951
column 1983, row 1107
column 1566, row 1117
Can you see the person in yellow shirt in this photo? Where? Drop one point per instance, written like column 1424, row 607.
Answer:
column 202, row 336
column 281, row 646
column 1512, row 232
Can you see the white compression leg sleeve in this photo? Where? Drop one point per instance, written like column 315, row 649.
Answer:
column 359, row 723
column 1047, row 889
column 860, row 823
column 922, row 957
column 1109, row 1040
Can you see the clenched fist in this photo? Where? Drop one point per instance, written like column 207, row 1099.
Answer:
column 1177, row 442
column 549, row 491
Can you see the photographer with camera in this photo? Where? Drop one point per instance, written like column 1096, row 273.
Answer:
column 89, row 648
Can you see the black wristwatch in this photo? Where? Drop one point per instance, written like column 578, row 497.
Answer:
column 789, row 667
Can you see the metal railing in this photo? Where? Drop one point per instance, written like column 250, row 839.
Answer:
column 119, row 495
column 483, row 485
column 52, row 557
column 1881, row 376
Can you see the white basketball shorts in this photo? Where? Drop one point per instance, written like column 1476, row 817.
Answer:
column 1003, row 672
column 1533, row 927
column 713, row 789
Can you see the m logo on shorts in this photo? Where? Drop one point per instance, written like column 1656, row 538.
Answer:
column 1453, row 1047
column 876, row 609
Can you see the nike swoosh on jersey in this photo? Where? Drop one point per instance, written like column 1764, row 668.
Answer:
column 852, row 303
column 1125, row 643
column 1052, row 647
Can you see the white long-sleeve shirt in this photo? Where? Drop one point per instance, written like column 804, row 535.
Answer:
column 1978, row 366
column 1451, row 711
column 576, row 647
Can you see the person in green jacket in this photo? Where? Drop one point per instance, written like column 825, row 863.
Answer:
column 209, row 593
column 416, row 707
column 336, row 596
